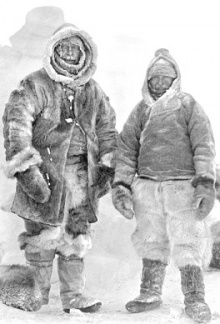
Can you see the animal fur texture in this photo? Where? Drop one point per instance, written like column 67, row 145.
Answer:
column 18, row 287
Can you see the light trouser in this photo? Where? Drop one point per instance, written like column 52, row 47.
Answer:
column 167, row 223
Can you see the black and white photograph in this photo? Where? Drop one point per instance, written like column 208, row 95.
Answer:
column 110, row 161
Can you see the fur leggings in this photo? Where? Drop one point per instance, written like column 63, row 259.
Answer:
column 167, row 224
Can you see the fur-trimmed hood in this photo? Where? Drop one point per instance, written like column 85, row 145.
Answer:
column 175, row 87
column 87, row 65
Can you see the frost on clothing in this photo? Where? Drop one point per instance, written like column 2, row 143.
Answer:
column 166, row 161
column 170, row 138
column 33, row 137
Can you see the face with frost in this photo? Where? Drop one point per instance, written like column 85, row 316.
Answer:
column 159, row 84
column 68, row 51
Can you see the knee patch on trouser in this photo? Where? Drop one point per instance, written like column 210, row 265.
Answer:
column 19, row 287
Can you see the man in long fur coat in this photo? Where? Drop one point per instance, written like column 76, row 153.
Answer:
column 165, row 175
column 60, row 139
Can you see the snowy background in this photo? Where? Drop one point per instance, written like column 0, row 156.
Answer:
column 127, row 33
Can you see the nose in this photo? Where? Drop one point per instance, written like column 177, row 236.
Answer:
column 159, row 83
column 70, row 50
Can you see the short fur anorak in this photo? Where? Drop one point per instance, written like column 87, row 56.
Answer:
column 170, row 138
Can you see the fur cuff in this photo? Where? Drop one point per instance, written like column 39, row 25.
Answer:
column 78, row 246
column 22, row 161
column 206, row 181
column 121, row 183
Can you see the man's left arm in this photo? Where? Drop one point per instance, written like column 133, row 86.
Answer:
column 203, row 146
column 107, row 138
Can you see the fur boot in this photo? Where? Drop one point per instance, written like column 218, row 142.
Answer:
column 153, row 275
column 42, row 264
column 215, row 261
column 72, row 283
column 194, row 292
column 18, row 287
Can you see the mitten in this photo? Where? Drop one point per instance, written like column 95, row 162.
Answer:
column 122, row 199
column 204, row 196
column 105, row 176
column 34, row 184
column 77, row 223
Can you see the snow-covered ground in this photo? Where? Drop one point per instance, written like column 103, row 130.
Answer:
column 113, row 275
column 125, row 46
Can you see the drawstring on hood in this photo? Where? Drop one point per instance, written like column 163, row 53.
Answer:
column 73, row 75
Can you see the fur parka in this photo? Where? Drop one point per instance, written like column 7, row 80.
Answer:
column 37, row 108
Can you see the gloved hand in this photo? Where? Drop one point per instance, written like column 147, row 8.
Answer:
column 34, row 184
column 204, row 197
column 105, row 176
column 122, row 200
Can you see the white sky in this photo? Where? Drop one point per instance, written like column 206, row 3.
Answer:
column 127, row 33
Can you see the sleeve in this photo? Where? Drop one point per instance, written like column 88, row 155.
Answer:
column 202, row 139
column 128, row 148
column 106, row 131
column 19, row 115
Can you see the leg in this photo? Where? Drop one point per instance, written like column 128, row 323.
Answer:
column 215, row 260
column 72, row 283
column 76, row 239
column 194, row 292
column 151, row 243
column 153, row 275
column 189, row 239
column 39, row 254
column 71, row 252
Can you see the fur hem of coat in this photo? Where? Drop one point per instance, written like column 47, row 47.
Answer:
column 46, row 240
column 19, row 288
column 56, row 239
column 22, row 161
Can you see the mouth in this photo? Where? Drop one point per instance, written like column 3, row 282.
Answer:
column 71, row 61
column 159, row 92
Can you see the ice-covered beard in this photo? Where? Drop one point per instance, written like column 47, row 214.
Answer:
column 67, row 65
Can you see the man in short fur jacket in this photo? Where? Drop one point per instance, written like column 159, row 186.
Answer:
column 165, row 172
column 60, row 139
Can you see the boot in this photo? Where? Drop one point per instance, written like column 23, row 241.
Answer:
column 194, row 291
column 43, row 270
column 215, row 261
column 72, row 283
column 153, row 274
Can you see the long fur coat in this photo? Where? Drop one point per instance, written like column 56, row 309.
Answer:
column 38, row 107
